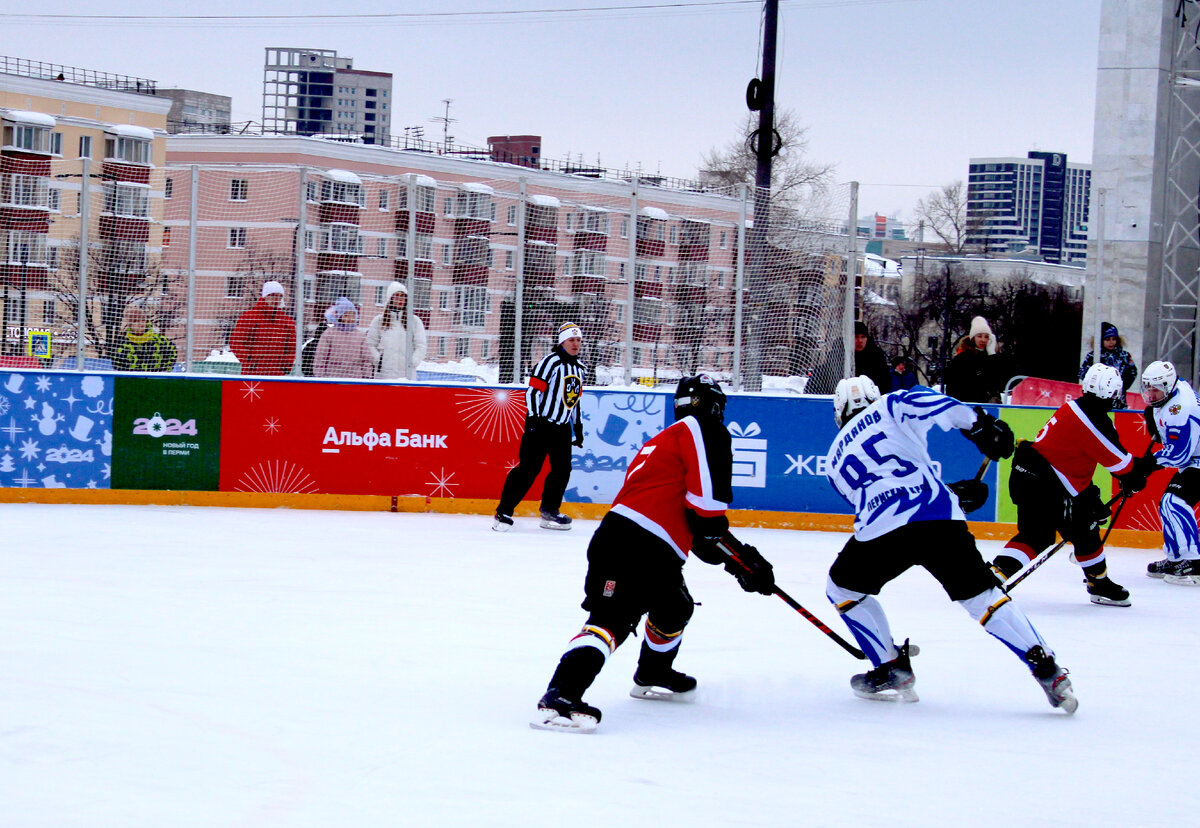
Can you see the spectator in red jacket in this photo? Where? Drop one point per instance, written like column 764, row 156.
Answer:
column 264, row 338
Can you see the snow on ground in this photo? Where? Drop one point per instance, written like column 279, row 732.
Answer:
column 233, row 667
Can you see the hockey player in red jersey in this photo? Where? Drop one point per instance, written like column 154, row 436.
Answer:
column 1051, row 485
column 673, row 500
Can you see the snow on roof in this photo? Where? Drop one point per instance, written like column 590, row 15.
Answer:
column 424, row 181
column 22, row 116
column 544, row 200
column 879, row 266
column 654, row 213
column 592, row 208
column 130, row 131
column 344, row 176
column 472, row 187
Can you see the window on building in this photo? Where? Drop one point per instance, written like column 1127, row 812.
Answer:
column 49, row 311
column 126, row 200
column 30, row 137
column 239, row 189
column 473, row 205
column 342, row 192
column 56, row 139
column 85, row 146
column 235, row 286
column 463, row 349
column 380, row 295
column 127, row 149
column 424, row 199
column 383, row 199
column 371, row 93
column 166, row 242
column 509, row 255
column 471, row 304
column 237, row 238
column 341, row 238
column 421, row 293
column 512, row 215
column 624, row 228
column 381, row 246
column 25, row 190
column 169, row 188
column 448, row 207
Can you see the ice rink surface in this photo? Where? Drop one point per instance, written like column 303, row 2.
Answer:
column 176, row 667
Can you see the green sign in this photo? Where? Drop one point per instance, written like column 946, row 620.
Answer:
column 166, row 434
column 1026, row 423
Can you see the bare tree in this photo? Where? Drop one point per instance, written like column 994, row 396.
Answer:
column 794, row 177
column 944, row 212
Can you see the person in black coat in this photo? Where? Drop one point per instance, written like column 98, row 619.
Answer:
column 869, row 359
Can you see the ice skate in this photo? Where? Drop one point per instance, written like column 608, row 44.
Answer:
column 891, row 681
column 555, row 520
column 502, row 523
column 557, row 712
column 1184, row 572
column 1106, row 592
column 1159, row 568
column 1053, row 679
column 669, row 685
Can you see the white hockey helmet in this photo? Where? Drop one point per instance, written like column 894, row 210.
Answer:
column 1103, row 381
column 1161, row 377
column 851, row 396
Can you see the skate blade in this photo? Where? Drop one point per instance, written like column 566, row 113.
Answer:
column 905, row 696
column 550, row 720
column 1182, row 580
column 497, row 526
column 652, row 693
column 1068, row 705
column 1108, row 602
column 546, row 524
column 1156, row 575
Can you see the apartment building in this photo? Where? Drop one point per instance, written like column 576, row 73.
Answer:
column 80, row 169
column 316, row 92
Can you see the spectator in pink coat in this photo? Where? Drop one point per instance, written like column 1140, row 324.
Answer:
column 343, row 351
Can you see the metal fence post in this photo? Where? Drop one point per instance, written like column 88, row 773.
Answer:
column 738, row 288
column 631, row 276
column 85, row 215
column 519, row 291
column 193, row 217
column 851, row 278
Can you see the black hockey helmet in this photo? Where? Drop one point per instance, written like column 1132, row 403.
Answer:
column 701, row 397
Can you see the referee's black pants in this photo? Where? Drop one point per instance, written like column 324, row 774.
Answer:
column 541, row 439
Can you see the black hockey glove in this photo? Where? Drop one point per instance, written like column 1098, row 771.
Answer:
column 1134, row 480
column 1086, row 512
column 991, row 436
column 1151, row 424
column 751, row 569
column 971, row 493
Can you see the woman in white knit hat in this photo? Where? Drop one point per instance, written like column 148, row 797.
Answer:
column 973, row 373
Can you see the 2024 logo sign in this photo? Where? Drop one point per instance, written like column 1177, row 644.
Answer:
column 158, row 427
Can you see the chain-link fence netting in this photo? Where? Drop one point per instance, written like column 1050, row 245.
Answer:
column 283, row 269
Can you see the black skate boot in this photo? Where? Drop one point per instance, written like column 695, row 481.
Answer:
column 1103, row 590
column 555, row 520
column 559, row 712
column 1052, row 678
column 891, row 681
column 657, row 680
column 1006, row 566
column 562, row 707
column 1185, row 572
column 1159, row 568
column 502, row 523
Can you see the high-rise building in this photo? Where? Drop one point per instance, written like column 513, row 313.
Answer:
column 1039, row 202
column 315, row 92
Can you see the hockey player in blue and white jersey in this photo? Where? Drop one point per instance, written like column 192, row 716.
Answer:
column 1173, row 419
column 906, row 516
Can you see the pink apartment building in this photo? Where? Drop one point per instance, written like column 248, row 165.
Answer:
column 343, row 219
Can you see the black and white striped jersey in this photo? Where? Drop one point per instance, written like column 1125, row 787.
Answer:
column 555, row 387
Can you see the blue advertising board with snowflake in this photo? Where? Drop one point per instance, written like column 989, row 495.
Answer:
column 55, row 431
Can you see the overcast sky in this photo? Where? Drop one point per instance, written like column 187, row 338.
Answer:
column 898, row 94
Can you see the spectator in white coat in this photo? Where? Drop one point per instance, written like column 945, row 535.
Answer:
column 387, row 337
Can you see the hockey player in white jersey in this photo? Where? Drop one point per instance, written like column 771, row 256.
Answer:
column 1173, row 419
column 906, row 516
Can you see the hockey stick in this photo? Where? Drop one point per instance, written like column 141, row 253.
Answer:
column 724, row 546
column 1045, row 556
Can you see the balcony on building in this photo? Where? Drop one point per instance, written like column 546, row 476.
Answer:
column 473, row 210
column 651, row 233
column 128, row 154
column 541, row 218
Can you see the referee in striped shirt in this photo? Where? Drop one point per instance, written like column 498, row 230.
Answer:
column 552, row 426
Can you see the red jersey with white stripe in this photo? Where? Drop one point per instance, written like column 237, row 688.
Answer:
column 1079, row 436
column 685, row 466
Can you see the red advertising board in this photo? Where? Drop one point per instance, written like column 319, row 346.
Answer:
column 1037, row 391
column 305, row 437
